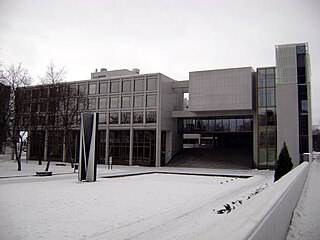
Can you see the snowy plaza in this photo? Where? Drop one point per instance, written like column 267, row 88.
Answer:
column 161, row 203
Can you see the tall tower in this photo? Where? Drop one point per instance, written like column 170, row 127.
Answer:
column 293, row 99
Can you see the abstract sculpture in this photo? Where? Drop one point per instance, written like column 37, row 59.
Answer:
column 88, row 147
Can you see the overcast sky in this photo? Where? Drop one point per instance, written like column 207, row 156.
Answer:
column 173, row 37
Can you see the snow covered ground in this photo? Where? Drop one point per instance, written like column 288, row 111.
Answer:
column 151, row 206
column 305, row 223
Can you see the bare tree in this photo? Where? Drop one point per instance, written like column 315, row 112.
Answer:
column 53, row 74
column 16, row 77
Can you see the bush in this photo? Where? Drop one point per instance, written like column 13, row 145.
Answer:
column 284, row 163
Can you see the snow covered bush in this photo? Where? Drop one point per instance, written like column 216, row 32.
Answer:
column 284, row 163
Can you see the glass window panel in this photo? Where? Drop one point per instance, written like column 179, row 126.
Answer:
column 151, row 84
column 226, row 127
column 103, row 87
column 261, row 78
column 240, row 126
column 211, row 125
column 102, row 118
column 262, row 137
column 262, row 101
column 271, row 137
column 204, row 125
column 92, row 88
column 125, row 117
column 151, row 100
column 303, row 125
column 82, row 90
column 198, row 124
column 304, row 106
column 138, row 85
column 262, row 156
column 114, row 102
column 126, row 86
column 262, row 116
column 138, row 117
column 218, row 126
column 270, row 77
column 270, row 96
column 114, row 87
column 271, row 156
column 125, row 102
column 247, row 122
column 113, row 118
column 91, row 103
column 302, row 92
column 102, row 103
column 151, row 117
column 271, row 116
column 233, row 125
column 138, row 101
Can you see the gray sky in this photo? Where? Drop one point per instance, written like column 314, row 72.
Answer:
column 173, row 37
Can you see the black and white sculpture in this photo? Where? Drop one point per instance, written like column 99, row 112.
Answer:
column 88, row 147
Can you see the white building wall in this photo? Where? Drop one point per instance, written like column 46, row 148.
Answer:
column 221, row 90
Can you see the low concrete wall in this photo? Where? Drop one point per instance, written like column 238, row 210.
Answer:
column 267, row 215
column 275, row 224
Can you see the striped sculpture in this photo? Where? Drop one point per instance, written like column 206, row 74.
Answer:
column 88, row 147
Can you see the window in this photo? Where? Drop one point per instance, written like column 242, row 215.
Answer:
column 125, row 117
column 102, row 118
column 114, row 87
column 271, row 116
column 261, row 78
column 44, row 92
column 151, row 117
column 226, row 127
column 43, row 106
column 304, row 106
column 151, row 100
column 270, row 97
column 102, row 103
column 114, row 102
column 247, row 124
column 262, row 97
column 92, row 88
column 262, row 117
column 103, row 87
column 240, row 126
column 218, row 126
column 125, row 102
column 233, row 125
column 126, row 86
column 138, row 117
column 138, row 85
column 270, row 77
column 91, row 103
column 82, row 90
column 151, row 84
column 113, row 118
column 138, row 101
column 185, row 100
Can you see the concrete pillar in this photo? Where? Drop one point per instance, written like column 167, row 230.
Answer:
column 45, row 154
column 107, row 145
column 131, row 146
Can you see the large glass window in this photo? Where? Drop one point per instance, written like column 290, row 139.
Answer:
column 114, row 87
column 151, row 100
column 126, row 86
column 144, row 147
column 103, row 87
column 119, row 146
column 125, row 117
column 240, row 126
column 114, row 102
column 92, row 88
column 125, row 102
column 211, row 125
column 218, row 126
column 138, row 101
column 304, row 106
column 102, row 118
column 262, row 115
column 91, row 103
column 138, row 85
column 233, row 125
column 151, row 84
column 271, row 116
column 82, row 90
column 270, row 96
column 102, row 103
column 113, row 118
column 138, row 117
column 270, row 77
column 226, row 127
column 262, row 100
column 261, row 78
column 151, row 117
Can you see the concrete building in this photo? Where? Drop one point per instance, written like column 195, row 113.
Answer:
column 239, row 113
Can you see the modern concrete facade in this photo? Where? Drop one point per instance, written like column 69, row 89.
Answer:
column 146, row 119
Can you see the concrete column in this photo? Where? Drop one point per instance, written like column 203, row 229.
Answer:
column 131, row 146
column 107, row 145
column 45, row 154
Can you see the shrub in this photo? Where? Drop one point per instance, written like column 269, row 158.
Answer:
column 284, row 163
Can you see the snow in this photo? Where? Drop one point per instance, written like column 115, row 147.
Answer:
column 305, row 223
column 151, row 206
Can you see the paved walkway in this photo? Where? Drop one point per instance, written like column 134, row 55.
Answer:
column 305, row 223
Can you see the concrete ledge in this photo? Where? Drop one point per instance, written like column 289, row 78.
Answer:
column 267, row 215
